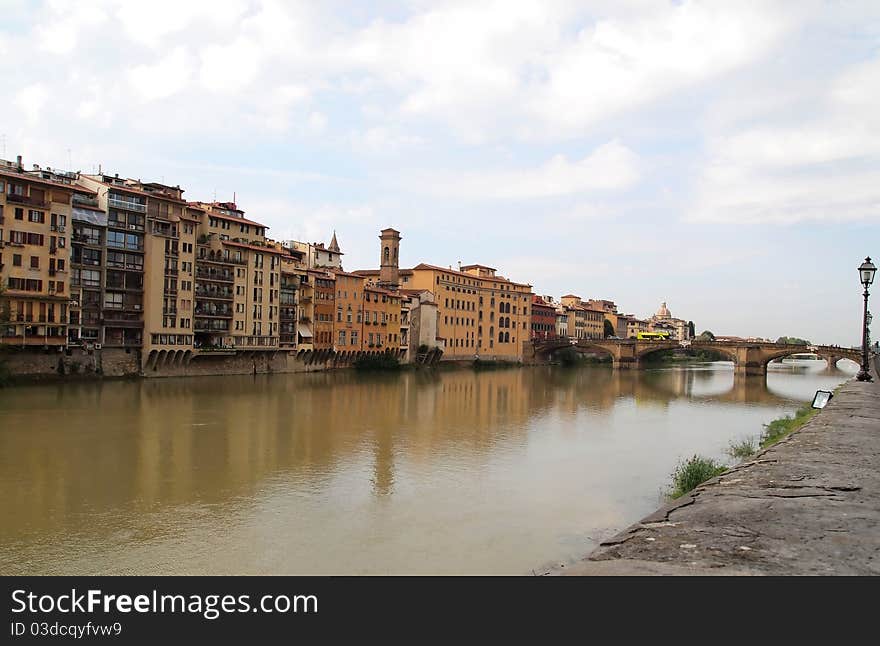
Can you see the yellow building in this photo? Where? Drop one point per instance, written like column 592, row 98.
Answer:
column 150, row 243
column 368, row 318
column 480, row 314
column 238, row 282
column 584, row 322
column 35, row 216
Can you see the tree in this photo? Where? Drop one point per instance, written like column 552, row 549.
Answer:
column 792, row 340
column 609, row 329
column 691, row 330
column 706, row 335
column 4, row 310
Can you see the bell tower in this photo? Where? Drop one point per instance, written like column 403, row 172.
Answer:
column 389, row 267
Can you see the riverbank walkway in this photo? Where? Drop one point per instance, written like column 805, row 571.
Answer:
column 809, row 505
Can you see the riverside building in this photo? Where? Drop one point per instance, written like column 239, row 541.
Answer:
column 35, row 216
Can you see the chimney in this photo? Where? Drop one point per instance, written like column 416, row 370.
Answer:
column 18, row 163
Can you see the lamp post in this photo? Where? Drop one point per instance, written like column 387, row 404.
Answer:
column 866, row 276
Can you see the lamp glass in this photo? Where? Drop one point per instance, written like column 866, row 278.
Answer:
column 867, row 271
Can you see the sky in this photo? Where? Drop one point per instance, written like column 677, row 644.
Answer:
column 723, row 157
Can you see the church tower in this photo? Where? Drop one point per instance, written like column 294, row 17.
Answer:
column 389, row 267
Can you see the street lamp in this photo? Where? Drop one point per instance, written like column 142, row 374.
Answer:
column 866, row 276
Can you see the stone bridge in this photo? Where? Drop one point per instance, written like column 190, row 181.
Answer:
column 748, row 358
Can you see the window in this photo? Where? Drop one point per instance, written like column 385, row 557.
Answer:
column 90, row 278
column 341, row 337
column 16, row 260
column 35, row 262
column 36, row 216
column 112, row 300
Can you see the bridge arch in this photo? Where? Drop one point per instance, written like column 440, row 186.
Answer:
column 830, row 358
column 585, row 346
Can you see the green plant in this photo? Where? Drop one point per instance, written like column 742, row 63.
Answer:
column 742, row 449
column 608, row 329
column 377, row 362
column 782, row 426
column 693, row 472
column 5, row 374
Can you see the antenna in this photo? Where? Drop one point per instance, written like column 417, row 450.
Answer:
column 69, row 160
column 3, row 139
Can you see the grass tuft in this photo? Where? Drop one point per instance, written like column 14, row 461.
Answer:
column 783, row 426
column 693, row 472
column 743, row 449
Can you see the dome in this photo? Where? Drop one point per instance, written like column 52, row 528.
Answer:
column 663, row 312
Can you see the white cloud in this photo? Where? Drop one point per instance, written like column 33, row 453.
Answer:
column 166, row 77
column 611, row 166
column 31, row 100
column 615, row 65
column 61, row 31
column 380, row 140
column 229, row 68
column 153, row 23
column 824, row 167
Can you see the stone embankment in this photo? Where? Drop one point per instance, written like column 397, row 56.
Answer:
column 809, row 505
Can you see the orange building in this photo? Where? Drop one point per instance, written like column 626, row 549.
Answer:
column 35, row 215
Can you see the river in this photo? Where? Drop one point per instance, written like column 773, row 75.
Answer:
column 430, row 472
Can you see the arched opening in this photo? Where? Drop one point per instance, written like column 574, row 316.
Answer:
column 729, row 355
column 386, row 254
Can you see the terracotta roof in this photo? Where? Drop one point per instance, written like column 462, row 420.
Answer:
column 478, row 267
column 136, row 191
column 79, row 188
column 347, row 274
column 233, row 218
column 379, row 290
column 37, row 180
column 497, row 279
column 88, row 208
column 252, row 246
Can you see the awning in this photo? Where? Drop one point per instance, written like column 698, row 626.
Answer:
column 304, row 330
column 90, row 216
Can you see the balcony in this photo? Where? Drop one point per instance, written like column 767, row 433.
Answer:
column 24, row 199
column 170, row 272
column 211, row 326
column 209, row 313
column 84, row 239
column 216, row 276
column 85, row 200
column 122, row 319
column 122, row 224
column 214, row 294
column 127, row 205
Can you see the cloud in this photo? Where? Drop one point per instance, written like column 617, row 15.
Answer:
column 611, row 166
column 164, row 78
column 820, row 167
column 31, row 100
column 379, row 140
column 616, row 65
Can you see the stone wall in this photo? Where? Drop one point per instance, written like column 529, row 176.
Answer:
column 242, row 363
column 37, row 363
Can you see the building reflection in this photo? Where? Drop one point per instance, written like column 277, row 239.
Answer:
column 126, row 451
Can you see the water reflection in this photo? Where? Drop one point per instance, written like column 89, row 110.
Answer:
column 285, row 473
